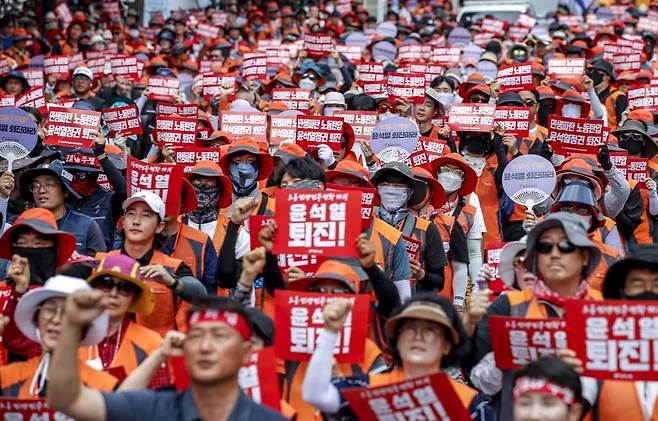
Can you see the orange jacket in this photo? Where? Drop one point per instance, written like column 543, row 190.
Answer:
column 618, row 400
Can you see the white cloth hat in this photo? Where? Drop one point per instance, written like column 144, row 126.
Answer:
column 153, row 201
column 84, row 71
column 334, row 98
column 57, row 286
column 506, row 263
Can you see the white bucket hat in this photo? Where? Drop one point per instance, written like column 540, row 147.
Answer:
column 57, row 286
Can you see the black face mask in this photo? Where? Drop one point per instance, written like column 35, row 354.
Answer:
column 43, row 262
column 596, row 77
column 544, row 111
column 646, row 295
column 633, row 147
column 477, row 144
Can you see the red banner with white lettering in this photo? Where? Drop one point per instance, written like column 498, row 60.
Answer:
column 519, row 341
column 406, row 85
column 71, row 127
column 428, row 398
column 517, row 77
column 183, row 110
column 208, row 31
column 298, row 322
column 282, row 128
column 638, row 169
column 124, row 120
column 515, row 120
column 645, row 98
column 493, row 26
column 28, row 409
column 492, row 259
column 176, row 131
column 97, row 66
column 254, row 67
column 353, row 53
column 313, row 131
column 412, row 246
column 627, row 62
column 318, row 44
column 374, row 88
column 471, row 117
column 362, row 122
column 34, row 77
column 7, row 101
column 33, row 98
column 316, row 222
column 188, row 156
column 370, row 72
column 576, row 135
column 427, row 150
column 446, row 56
column 125, row 66
column 259, row 381
column 294, row 98
column 56, row 65
column 165, row 180
column 431, row 70
column 414, row 53
column 566, row 68
column 239, row 123
column 614, row 339
column 217, row 84
column 163, row 88
column 369, row 199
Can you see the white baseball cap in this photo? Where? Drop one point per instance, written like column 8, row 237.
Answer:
column 84, row 71
column 334, row 98
column 153, row 201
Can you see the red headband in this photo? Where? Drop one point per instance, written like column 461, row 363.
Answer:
column 529, row 385
column 231, row 318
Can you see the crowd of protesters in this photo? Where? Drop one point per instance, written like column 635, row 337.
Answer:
column 105, row 286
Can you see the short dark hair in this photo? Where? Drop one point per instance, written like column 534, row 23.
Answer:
column 305, row 168
column 534, row 93
column 440, row 79
column 361, row 102
column 458, row 352
column 554, row 370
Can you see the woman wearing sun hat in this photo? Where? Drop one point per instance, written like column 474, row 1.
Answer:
column 127, row 343
column 39, row 316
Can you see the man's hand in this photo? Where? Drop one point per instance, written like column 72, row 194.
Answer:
column 326, row 155
column 19, row 272
column 168, row 153
column 587, row 82
column 97, row 138
column 510, row 141
column 417, row 270
column 529, row 221
column 335, row 313
column 295, row 274
column 603, row 156
column 366, row 250
column 499, row 130
column 495, row 89
column 242, row 209
column 569, row 357
column 403, row 107
column 651, row 184
column 157, row 273
column 253, row 264
column 368, row 154
column 82, row 307
column 478, row 306
column 172, row 345
column 4, row 320
column 7, row 183
column 266, row 235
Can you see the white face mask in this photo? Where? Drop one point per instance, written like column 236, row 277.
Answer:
column 384, row 116
column 329, row 111
column 450, row 181
column 571, row 110
column 446, row 98
column 307, row 84
column 585, row 220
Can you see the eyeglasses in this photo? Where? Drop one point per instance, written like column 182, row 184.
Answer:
column 457, row 171
column 325, row 290
column 47, row 187
column 49, row 311
column 428, row 332
column 479, row 99
column 518, row 262
column 529, row 102
column 636, row 137
column 563, row 246
column 107, row 283
column 578, row 210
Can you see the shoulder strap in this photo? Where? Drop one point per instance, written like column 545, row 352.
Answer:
column 520, row 310
column 460, row 206
column 595, row 404
column 409, row 226
column 263, row 204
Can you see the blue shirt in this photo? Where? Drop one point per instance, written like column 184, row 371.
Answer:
column 169, row 405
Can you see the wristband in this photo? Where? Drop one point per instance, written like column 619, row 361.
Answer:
column 174, row 286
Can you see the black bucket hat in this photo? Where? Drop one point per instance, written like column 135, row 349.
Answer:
column 55, row 169
column 640, row 257
column 399, row 169
column 15, row 74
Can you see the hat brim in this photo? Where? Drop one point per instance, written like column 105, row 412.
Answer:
column 65, row 241
column 423, row 313
column 507, row 255
column 190, row 201
column 438, row 198
column 85, row 168
column 470, row 177
column 418, row 187
column 226, row 197
column 29, row 176
column 266, row 160
column 305, row 283
column 146, row 301
column 331, row 175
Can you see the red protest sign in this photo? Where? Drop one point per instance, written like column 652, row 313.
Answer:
column 76, row 158
column 318, row 44
column 28, row 409
column 614, row 339
column 430, row 70
column 517, row 77
column 7, row 101
column 313, row 131
column 254, row 67
column 611, row 49
column 163, row 88
column 638, row 169
column 519, row 341
column 282, row 127
column 515, row 120
column 493, row 26
column 627, row 62
column 306, row 263
column 406, row 85
column 216, row 84
column 576, row 135
column 352, row 52
column 412, row 246
column 446, row 56
column 482, row 39
column 34, row 77
column 369, row 199
column 374, row 88
column 316, row 222
column 298, row 322
column 370, row 72
column 183, row 110
column 645, row 98
column 165, row 180
column 97, row 66
column 255, row 223
column 56, row 65
column 492, row 259
column 645, row 24
column 209, row 66
column 566, row 68
column 33, row 98
column 176, row 131
column 427, row 150
column 207, row 30
column 620, row 160
column 362, row 122
column 259, row 381
column 189, row 156
column 123, row 119
column 471, row 117
column 526, row 21
column 294, row 98
column 125, row 66
column 517, row 33
column 74, row 60
column 414, row 52
column 71, row 127
column 238, row 123
column 429, row 397
column 62, row 10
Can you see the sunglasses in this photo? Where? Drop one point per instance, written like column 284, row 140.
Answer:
column 578, row 210
column 518, row 262
column 479, row 99
column 107, row 283
column 563, row 246
column 636, row 137
column 529, row 102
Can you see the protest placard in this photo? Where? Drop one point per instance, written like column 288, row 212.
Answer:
column 369, row 199
column 216, row 84
column 294, row 98
column 207, row 30
column 163, row 88
column 165, row 180
column 482, row 39
column 123, row 119
column 183, row 110
column 7, row 101
column 459, row 36
column 446, row 56
column 517, row 33
column 259, row 381
column 645, row 98
column 28, row 409
column 56, row 65
column 33, row 98
column 316, row 222
column 64, row 13
column 176, row 131
column 519, row 341
column 313, row 131
column 374, row 88
column 427, row 150
column 428, row 397
column 620, row 160
column 254, row 66
column 210, row 66
column 34, row 77
column 646, row 24
column 394, row 138
column 627, row 62
column 526, row 20
column 362, row 122
column 492, row 259
column 637, row 169
column 370, row 72
column 576, row 135
column 406, row 85
column 298, row 322
column 471, row 117
column 493, row 26
column 282, row 127
column 188, row 156
column 71, row 127
column 517, row 77
column 614, row 339
column 566, row 68
column 318, row 44
column 74, row 60
column 430, row 70
column 414, row 53
column 97, row 66
column 239, row 123
column 125, row 66
column 412, row 246
column 352, row 52
column 515, row 120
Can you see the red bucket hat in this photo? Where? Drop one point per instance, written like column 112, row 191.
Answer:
column 438, row 198
column 248, row 145
column 470, row 178
column 211, row 169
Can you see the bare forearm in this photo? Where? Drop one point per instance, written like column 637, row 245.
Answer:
column 63, row 373
column 142, row 375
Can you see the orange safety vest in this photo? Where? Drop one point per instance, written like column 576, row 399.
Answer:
column 16, row 378
column 137, row 343
column 618, row 400
column 295, row 371
column 384, row 237
column 466, row 394
column 609, row 255
column 445, row 224
column 610, row 108
column 524, row 303
column 487, row 192
column 166, row 315
column 190, row 246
